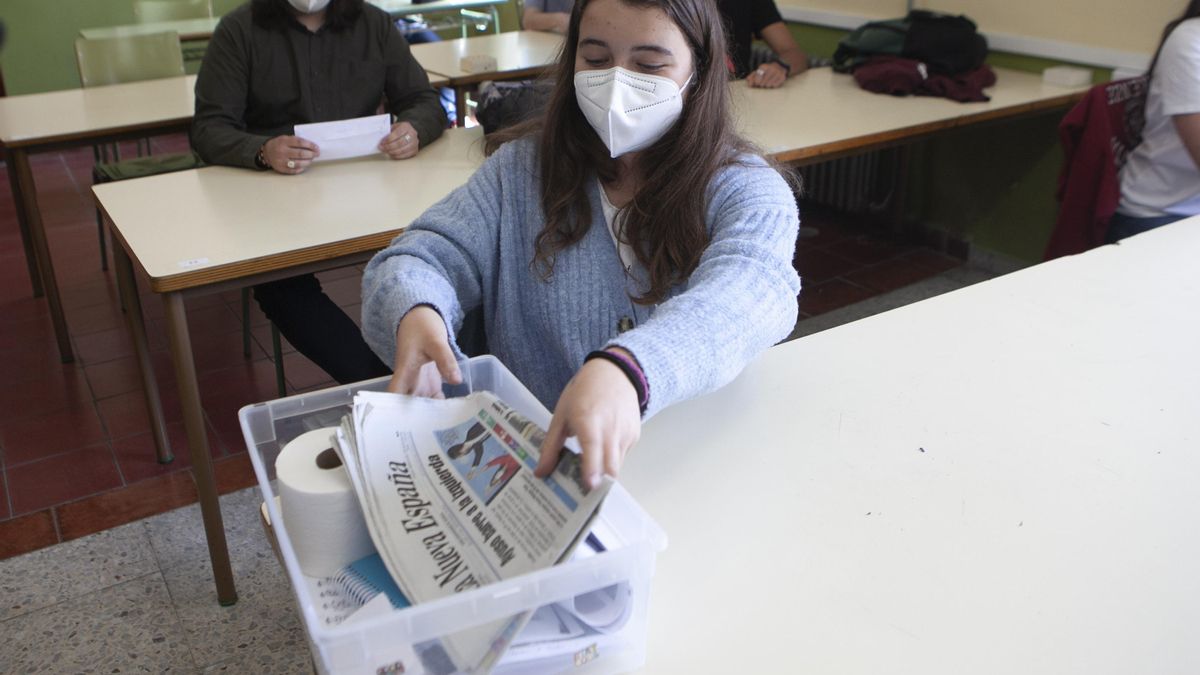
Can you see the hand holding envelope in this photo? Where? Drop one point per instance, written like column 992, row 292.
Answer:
column 344, row 139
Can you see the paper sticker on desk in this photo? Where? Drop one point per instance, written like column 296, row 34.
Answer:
column 344, row 139
column 194, row 262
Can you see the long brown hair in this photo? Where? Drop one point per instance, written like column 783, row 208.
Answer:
column 665, row 220
column 1192, row 11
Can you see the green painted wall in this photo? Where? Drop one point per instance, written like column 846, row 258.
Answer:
column 40, row 55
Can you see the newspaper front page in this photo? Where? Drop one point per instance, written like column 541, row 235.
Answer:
column 451, row 502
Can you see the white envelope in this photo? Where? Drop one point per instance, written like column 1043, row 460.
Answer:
column 346, row 138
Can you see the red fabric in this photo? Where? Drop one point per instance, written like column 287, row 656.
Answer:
column 1096, row 137
column 899, row 76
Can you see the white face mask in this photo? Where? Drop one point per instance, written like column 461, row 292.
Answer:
column 628, row 110
column 309, row 6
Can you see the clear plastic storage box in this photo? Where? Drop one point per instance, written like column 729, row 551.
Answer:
column 382, row 645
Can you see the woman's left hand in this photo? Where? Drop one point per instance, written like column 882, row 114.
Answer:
column 401, row 143
column 599, row 407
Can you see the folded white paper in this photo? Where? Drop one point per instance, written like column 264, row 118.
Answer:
column 346, row 138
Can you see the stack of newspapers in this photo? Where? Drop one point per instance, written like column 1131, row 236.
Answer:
column 451, row 502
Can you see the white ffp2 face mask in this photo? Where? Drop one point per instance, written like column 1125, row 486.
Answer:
column 629, row 111
column 309, row 6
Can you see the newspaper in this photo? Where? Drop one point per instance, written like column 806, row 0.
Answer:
column 451, row 502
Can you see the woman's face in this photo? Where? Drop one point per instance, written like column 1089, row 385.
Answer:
column 641, row 40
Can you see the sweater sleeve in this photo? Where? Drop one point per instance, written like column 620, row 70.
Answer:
column 219, row 133
column 740, row 300
column 440, row 260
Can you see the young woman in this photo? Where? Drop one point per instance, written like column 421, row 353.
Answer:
column 1160, row 182
column 627, row 250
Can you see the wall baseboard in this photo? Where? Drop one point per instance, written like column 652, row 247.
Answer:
column 1017, row 44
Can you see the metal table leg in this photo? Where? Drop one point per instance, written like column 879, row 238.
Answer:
column 31, row 260
column 127, row 287
column 19, row 164
column 193, row 421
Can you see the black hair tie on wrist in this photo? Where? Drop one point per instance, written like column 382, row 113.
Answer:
column 634, row 378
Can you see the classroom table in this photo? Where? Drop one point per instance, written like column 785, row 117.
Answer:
column 821, row 115
column 1001, row 479
column 219, row 228
column 201, row 29
column 62, row 119
column 518, row 54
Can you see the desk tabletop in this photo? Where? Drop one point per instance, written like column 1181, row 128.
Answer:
column 821, row 112
column 202, row 28
column 517, row 53
column 193, row 228
column 1001, row 479
column 188, row 29
column 406, row 7
column 56, row 116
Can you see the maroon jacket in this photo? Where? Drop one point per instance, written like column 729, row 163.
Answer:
column 1096, row 136
column 899, row 76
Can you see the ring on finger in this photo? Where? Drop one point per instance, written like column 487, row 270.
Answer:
column 291, row 164
column 406, row 138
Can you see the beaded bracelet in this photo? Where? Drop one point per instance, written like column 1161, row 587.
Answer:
column 632, row 371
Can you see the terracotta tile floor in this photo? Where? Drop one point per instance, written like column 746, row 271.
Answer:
column 76, row 455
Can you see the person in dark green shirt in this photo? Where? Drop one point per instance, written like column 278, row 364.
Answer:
column 273, row 64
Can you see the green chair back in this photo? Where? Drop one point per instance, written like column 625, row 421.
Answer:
column 148, row 11
column 128, row 59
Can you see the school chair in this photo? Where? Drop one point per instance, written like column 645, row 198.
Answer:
column 119, row 60
column 1097, row 136
column 152, row 11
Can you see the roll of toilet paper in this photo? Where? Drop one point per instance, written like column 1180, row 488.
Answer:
column 320, row 510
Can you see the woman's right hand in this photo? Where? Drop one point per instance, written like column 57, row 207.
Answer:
column 289, row 154
column 423, row 355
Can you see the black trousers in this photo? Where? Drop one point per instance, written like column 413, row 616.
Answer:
column 319, row 329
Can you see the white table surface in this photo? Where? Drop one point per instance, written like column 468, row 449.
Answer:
column 514, row 51
column 1002, row 479
column 821, row 109
column 181, row 224
column 39, row 118
column 188, row 29
column 202, row 28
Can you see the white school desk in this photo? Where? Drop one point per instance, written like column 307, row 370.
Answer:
column 219, row 228
column 1002, row 479
column 820, row 114
column 518, row 54
column 200, row 29
column 74, row 117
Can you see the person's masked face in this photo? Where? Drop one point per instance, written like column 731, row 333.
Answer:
column 308, row 6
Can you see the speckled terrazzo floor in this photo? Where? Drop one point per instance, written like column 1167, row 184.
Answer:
column 140, row 598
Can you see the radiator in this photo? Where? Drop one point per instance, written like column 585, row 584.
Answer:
column 858, row 184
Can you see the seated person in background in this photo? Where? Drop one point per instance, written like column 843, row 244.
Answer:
column 623, row 262
column 745, row 19
column 550, row 16
column 273, row 64
column 1160, row 182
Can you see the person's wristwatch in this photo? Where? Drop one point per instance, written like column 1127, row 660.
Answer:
column 787, row 69
column 260, row 160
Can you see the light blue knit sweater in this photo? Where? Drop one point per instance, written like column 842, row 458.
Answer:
column 474, row 248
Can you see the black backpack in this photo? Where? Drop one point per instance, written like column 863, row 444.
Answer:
column 946, row 44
